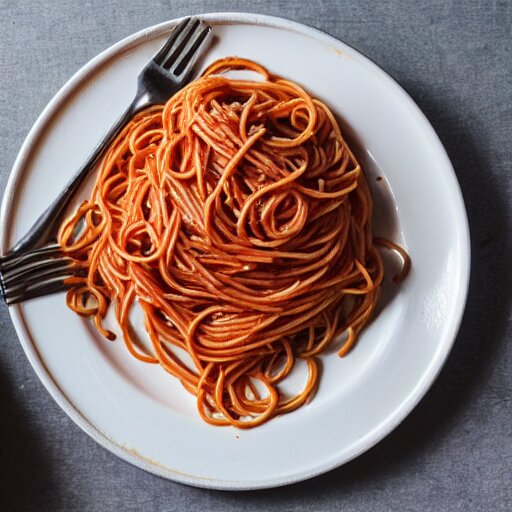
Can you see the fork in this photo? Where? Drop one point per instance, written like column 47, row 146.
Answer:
column 36, row 265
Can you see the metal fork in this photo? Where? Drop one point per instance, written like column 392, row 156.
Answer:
column 36, row 265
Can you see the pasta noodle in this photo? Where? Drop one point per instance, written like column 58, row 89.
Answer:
column 238, row 219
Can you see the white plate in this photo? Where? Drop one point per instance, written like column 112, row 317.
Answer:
column 143, row 415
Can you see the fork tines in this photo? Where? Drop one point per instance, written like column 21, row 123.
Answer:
column 187, row 38
column 35, row 273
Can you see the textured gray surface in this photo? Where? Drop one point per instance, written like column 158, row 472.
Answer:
column 454, row 452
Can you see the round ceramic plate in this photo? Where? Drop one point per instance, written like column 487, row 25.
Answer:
column 141, row 413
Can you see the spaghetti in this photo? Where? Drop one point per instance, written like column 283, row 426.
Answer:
column 238, row 219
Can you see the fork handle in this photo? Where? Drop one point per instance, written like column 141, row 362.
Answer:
column 43, row 229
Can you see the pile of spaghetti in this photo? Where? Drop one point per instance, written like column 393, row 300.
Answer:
column 238, row 219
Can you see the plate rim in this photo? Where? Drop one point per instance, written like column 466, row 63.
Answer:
column 30, row 348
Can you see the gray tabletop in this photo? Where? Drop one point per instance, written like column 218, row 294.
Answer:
column 454, row 452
